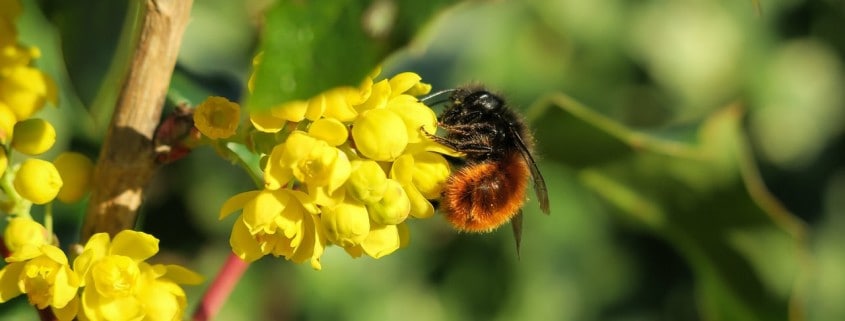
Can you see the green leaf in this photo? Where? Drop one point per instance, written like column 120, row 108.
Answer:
column 310, row 46
column 704, row 197
column 96, row 51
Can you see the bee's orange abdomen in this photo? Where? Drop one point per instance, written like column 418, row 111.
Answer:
column 481, row 197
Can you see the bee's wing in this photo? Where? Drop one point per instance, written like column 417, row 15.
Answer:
column 539, row 182
column 516, row 224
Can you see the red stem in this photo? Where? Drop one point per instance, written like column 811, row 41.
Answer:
column 220, row 289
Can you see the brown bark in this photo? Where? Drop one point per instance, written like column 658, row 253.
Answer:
column 126, row 161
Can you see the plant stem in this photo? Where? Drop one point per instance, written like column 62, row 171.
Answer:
column 127, row 159
column 48, row 218
column 220, row 288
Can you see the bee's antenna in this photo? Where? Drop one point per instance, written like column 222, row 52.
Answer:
column 444, row 91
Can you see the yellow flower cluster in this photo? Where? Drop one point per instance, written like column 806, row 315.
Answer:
column 109, row 280
column 346, row 167
column 24, row 90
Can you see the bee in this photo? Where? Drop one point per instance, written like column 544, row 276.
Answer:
column 489, row 189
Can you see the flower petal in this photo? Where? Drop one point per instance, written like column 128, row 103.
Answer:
column 69, row 311
column 346, row 224
column 64, row 287
column 242, row 242
column 403, row 81
column 265, row 121
column 382, row 240
column 330, row 130
column 182, row 275
column 236, row 202
column 137, row 245
column 291, row 111
column 9, row 276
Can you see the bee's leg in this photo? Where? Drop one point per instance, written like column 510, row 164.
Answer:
column 453, row 144
column 467, row 128
column 457, row 144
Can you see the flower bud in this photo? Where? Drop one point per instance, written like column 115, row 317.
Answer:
column 33, row 136
column 7, row 122
column 38, row 181
column 26, row 90
column 346, row 224
column 380, row 134
column 393, row 208
column 25, row 232
column 368, row 182
column 76, row 170
column 382, row 240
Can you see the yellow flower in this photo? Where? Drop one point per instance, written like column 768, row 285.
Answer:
column 380, row 134
column 408, row 83
column 33, row 136
column 346, row 224
column 217, row 117
column 381, row 240
column 119, row 285
column 279, row 222
column 7, row 122
column 368, row 182
column 379, row 93
column 75, row 170
column 393, row 208
column 416, row 116
column 311, row 161
column 423, row 176
column 45, row 277
column 337, row 103
column 25, row 90
column 25, row 235
column 38, row 181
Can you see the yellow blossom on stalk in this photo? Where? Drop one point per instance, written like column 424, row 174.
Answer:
column 25, row 90
column 356, row 166
column 25, row 235
column 423, row 176
column 7, row 122
column 393, row 208
column 38, row 181
column 75, row 170
column 217, row 117
column 45, row 277
column 119, row 285
column 346, row 224
column 33, row 136
column 368, row 182
column 312, row 161
column 279, row 222
column 380, row 134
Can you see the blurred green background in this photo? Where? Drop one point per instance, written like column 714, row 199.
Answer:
column 693, row 152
